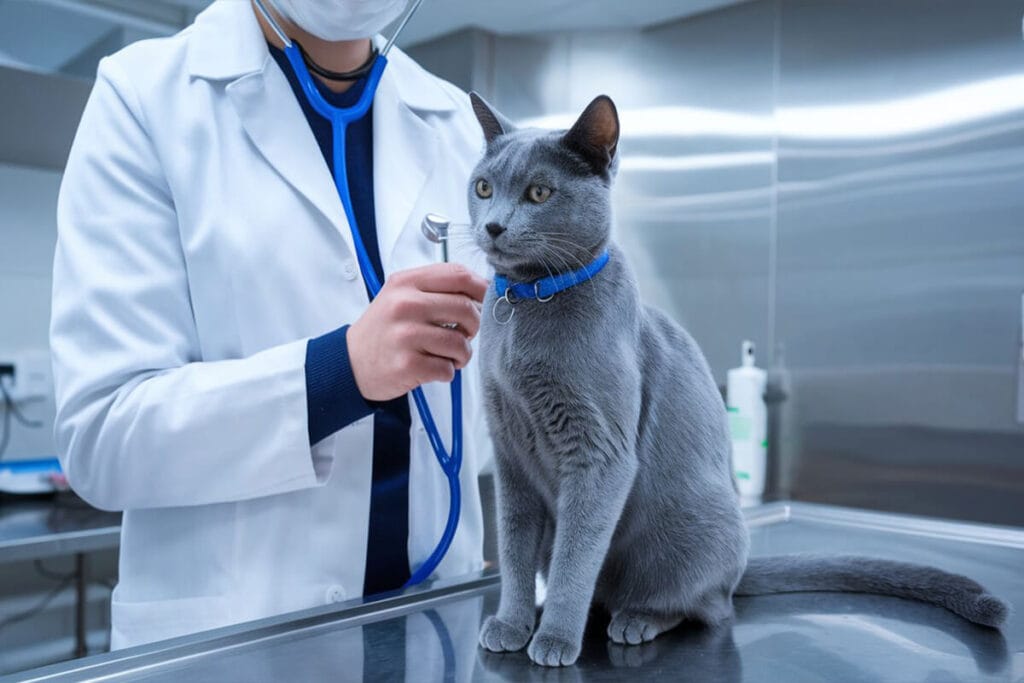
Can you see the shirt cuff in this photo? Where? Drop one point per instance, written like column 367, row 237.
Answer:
column 333, row 400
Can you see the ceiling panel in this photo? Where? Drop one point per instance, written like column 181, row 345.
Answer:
column 64, row 36
column 437, row 17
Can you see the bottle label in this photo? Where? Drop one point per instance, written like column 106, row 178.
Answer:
column 740, row 426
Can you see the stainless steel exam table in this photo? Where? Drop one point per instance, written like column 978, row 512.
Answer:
column 430, row 634
column 64, row 525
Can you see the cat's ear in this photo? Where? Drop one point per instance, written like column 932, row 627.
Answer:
column 492, row 122
column 595, row 135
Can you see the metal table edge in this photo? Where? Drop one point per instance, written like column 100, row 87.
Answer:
column 893, row 522
column 356, row 612
column 350, row 613
column 60, row 543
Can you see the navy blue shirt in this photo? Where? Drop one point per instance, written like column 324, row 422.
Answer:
column 332, row 397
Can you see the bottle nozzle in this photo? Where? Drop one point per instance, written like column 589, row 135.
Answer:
column 748, row 353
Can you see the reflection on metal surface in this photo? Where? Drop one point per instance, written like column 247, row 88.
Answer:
column 901, row 252
column 1020, row 367
column 928, row 112
column 844, row 178
column 431, row 635
column 670, row 122
column 695, row 162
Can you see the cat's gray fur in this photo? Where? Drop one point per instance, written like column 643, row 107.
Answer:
column 613, row 456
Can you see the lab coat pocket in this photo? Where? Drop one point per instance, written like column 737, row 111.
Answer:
column 135, row 623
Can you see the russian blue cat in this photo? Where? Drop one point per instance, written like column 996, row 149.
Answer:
column 613, row 457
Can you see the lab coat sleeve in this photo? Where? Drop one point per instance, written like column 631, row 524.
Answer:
column 333, row 400
column 142, row 421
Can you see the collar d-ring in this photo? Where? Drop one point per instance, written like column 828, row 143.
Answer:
column 511, row 310
column 536, row 293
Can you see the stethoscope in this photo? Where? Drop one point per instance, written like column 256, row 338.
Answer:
column 434, row 227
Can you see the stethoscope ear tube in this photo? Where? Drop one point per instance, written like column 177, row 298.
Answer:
column 401, row 25
column 272, row 21
column 269, row 17
column 339, row 119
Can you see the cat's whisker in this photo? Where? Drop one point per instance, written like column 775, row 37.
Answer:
column 464, row 240
column 588, row 281
column 556, row 251
column 559, row 254
column 572, row 243
column 568, row 253
column 565, row 264
column 561, row 240
column 544, row 262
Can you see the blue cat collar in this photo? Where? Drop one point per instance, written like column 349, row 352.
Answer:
column 547, row 287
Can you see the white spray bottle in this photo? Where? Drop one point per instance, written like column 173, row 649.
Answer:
column 748, row 425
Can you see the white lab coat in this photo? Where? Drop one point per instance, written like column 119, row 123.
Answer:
column 201, row 244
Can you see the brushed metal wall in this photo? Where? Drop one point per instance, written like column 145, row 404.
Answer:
column 694, row 195
column 901, row 251
column 843, row 181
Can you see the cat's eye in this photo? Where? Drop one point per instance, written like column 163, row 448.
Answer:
column 538, row 194
column 484, row 189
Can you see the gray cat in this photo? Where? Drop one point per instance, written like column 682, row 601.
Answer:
column 613, row 456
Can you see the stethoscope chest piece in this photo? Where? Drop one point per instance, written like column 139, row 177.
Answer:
column 435, row 228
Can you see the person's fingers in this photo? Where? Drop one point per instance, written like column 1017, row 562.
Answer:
column 434, row 369
column 451, row 278
column 437, row 309
column 447, row 344
column 441, row 309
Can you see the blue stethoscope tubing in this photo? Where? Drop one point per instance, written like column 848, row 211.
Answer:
column 340, row 118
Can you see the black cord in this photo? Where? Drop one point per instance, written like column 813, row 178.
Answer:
column 353, row 75
column 36, row 609
column 43, row 571
column 10, row 409
column 45, row 602
column 65, row 582
column 16, row 412
column 5, row 435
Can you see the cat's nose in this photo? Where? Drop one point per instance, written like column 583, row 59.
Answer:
column 493, row 229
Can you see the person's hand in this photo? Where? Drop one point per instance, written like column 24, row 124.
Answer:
column 399, row 342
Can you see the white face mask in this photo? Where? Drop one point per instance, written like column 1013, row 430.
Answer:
column 341, row 19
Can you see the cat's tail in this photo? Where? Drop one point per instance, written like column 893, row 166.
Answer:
column 854, row 574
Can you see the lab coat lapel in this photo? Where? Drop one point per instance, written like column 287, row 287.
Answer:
column 229, row 44
column 275, row 123
column 405, row 149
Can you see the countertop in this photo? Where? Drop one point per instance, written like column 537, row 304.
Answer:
column 39, row 527
column 429, row 634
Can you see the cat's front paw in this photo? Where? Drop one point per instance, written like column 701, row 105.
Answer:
column 551, row 650
column 499, row 636
column 631, row 628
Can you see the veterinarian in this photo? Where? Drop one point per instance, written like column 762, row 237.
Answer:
column 220, row 375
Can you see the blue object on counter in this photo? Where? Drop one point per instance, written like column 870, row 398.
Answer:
column 29, row 476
